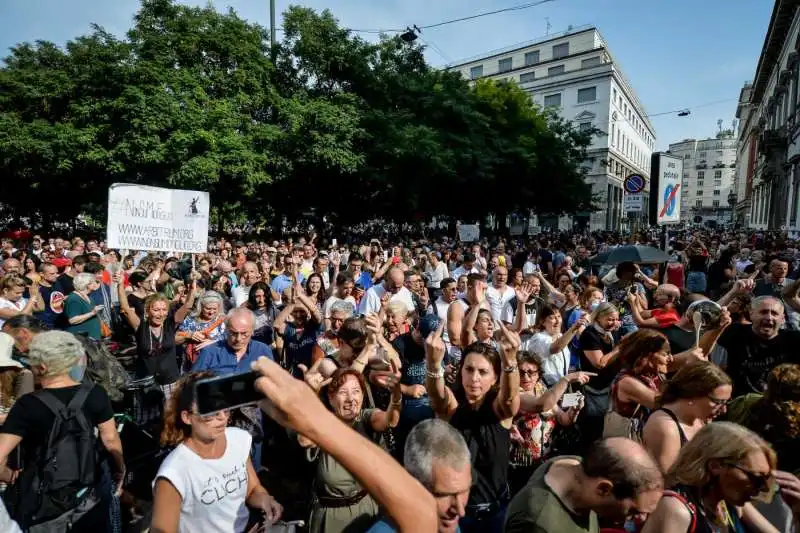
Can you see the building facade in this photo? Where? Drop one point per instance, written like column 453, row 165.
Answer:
column 745, row 157
column 574, row 73
column 709, row 169
column 770, row 130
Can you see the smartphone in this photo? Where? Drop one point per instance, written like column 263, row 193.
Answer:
column 226, row 392
column 385, row 255
column 334, row 242
column 571, row 399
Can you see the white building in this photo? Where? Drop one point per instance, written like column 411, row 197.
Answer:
column 746, row 157
column 709, row 169
column 574, row 72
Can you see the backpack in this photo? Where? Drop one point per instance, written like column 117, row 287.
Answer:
column 64, row 468
column 104, row 369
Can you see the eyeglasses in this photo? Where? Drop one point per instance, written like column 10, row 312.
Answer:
column 719, row 401
column 530, row 373
column 760, row 482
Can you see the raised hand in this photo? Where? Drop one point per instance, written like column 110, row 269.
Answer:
column 374, row 324
column 313, row 378
column 435, row 348
column 509, row 344
column 524, row 293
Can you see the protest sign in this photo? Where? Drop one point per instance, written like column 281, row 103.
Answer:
column 469, row 232
column 157, row 219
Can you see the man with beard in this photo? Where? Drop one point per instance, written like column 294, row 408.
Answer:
column 755, row 349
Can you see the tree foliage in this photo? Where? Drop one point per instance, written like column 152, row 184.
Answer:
column 326, row 123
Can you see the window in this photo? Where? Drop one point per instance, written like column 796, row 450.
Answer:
column 552, row 100
column 585, row 126
column 687, row 156
column 560, row 50
column 715, row 203
column 718, row 174
column 591, row 62
column 717, row 183
column 701, row 155
column 699, row 192
column 698, row 203
column 504, row 65
column 701, row 174
column 528, row 77
column 700, row 183
column 476, row 72
column 552, row 71
column 613, row 95
column 716, row 192
column 531, row 58
column 685, row 175
column 587, row 94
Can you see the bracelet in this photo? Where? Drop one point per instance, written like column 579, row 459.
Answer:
column 397, row 403
column 434, row 375
column 510, row 369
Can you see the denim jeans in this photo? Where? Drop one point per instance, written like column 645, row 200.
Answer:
column 696, row 282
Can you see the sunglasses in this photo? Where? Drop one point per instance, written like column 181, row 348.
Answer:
column 760, row 482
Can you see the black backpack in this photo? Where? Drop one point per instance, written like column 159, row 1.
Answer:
column 103, row 369
column 55, row 481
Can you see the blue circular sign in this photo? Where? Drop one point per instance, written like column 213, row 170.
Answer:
column 669, row 200
column 634, row 184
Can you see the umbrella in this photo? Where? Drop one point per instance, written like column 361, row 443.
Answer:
column 633, row 254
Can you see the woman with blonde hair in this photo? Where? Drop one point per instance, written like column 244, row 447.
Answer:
column 208, row 481
column 695, row 395
column 80, row 311
column 12, row 301
column 714, row 480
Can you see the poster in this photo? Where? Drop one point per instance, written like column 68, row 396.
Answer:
column 157, row 219
column 670, row 170
column 469, row 232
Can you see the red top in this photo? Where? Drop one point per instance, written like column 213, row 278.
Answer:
column 666, row 317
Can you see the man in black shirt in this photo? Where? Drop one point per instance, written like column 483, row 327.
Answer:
column 64, row 284
column 754, row 350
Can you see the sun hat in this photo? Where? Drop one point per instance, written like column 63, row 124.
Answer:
column 6, row 349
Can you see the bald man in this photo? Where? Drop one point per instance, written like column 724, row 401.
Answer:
column 664, row 314
column 393, row 286
column 616, row 480
column 250, row 276
column 498, row 294
column 233, row 353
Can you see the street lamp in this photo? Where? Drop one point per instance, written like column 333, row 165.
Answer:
column 732, row 202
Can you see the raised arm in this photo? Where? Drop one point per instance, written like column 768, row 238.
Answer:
column 506, row 404
column 125, row 309
column 442, row 399
column 294, row 405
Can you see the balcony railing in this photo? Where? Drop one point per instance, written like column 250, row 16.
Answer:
column 772, row 140
column 701, row 167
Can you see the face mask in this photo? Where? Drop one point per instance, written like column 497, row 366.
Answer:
column 594, row 305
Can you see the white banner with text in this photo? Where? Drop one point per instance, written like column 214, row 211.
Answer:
column 157, row 219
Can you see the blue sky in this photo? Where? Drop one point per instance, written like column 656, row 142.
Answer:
column 676, row 53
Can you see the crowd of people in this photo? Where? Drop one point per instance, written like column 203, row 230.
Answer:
column 507, row 385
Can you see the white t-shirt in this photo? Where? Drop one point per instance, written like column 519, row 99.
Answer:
column 371, row 302
column 498, row 299
column 239, row 295
column 461, row 271
column 554, row 365
column 213, row 491
column 529, row 267
column 326, row 308
column 19, row 305
column 435, row 276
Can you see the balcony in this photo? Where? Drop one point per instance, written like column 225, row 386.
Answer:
column 773, row 140
column 719, row 164
column 701, row 167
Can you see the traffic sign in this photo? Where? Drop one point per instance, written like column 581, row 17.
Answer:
column 668, row 177
column 634, row 203
column 634, row 184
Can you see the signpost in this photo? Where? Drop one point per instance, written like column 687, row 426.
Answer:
column 157, row 219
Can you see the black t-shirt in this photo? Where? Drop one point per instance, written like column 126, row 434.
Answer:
column 65, row 284
column 591, row 339
column 751, row 358
column 545, row 257
column 31, row 419
column 137, row 304
column 679, row 339
column 156, row 355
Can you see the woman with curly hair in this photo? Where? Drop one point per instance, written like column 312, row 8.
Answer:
column 774, row 415
column 208, row 481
